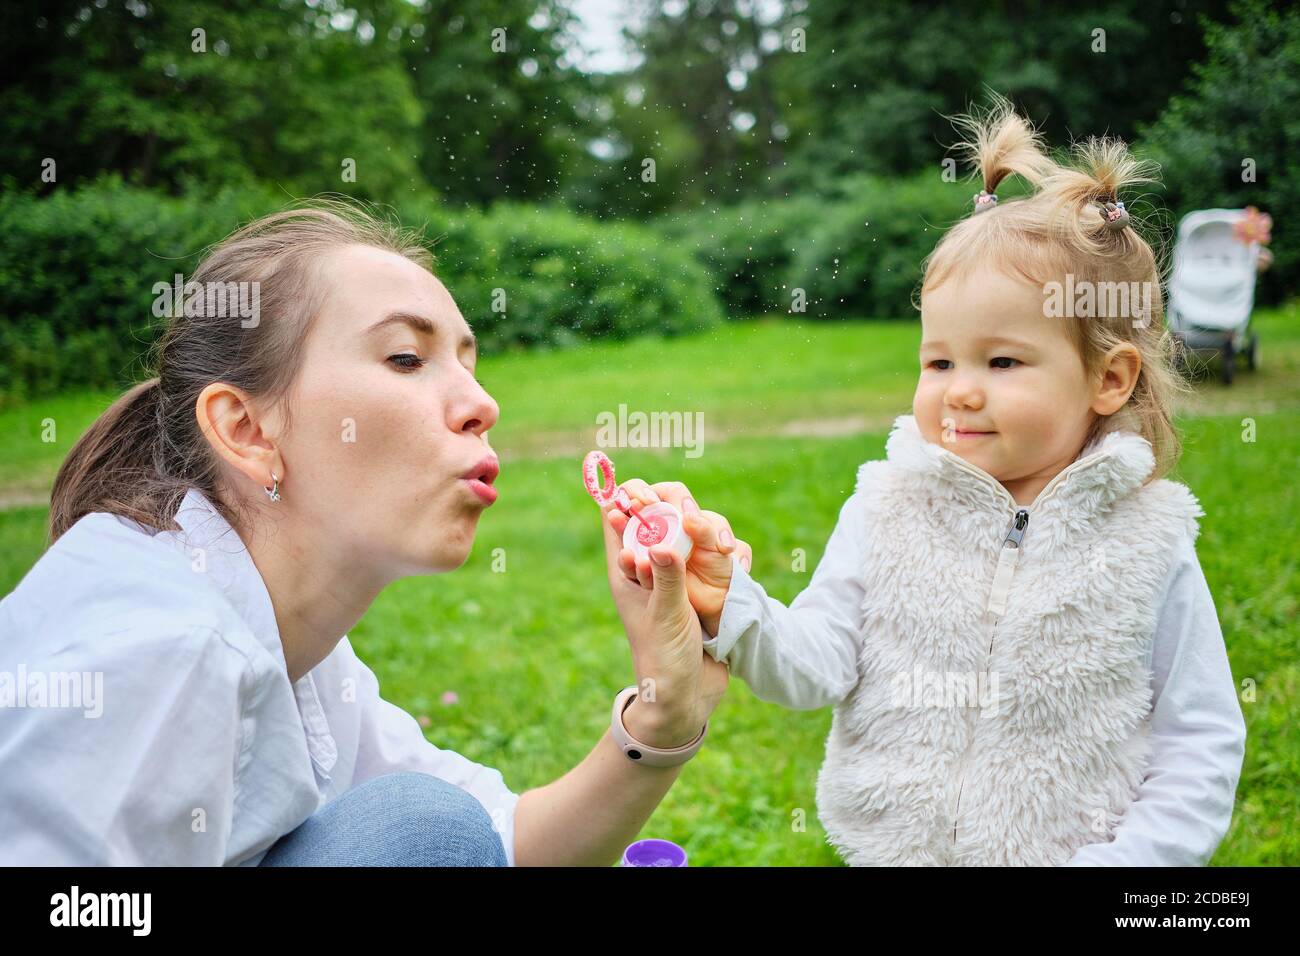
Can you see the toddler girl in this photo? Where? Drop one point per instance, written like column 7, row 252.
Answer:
column 1009, row 618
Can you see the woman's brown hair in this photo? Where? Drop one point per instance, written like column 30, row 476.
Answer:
column 143, row 454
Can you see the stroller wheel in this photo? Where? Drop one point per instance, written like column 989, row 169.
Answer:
column 1228, row 363
column 1252, row 352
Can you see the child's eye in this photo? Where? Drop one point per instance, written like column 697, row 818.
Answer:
column 407, row 361
column 1004, row 358
column 939, row 362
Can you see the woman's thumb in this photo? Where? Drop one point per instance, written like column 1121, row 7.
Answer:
column 669, row 577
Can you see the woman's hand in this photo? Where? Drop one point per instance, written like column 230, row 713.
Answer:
column 678, row 683
column 708, row 570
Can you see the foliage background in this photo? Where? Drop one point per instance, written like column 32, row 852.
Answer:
column 774, row 169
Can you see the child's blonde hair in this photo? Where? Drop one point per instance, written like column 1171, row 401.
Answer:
column 1061, row 228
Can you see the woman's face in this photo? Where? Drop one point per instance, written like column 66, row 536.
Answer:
column 380, row 444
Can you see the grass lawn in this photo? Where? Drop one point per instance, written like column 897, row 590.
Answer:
column 536, row 653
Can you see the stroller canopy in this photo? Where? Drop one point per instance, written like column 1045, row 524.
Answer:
column 1213, row 284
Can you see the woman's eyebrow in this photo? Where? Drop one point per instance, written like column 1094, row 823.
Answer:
column 418, row 322
column 423, row 324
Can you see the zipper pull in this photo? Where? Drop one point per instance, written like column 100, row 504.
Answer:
column 1007, row 560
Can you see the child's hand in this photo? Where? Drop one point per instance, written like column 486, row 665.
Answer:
column 708, row 570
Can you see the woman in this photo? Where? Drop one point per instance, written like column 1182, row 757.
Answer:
column 222, row 526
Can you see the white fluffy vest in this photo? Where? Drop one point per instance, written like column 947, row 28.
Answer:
column 1001, row 715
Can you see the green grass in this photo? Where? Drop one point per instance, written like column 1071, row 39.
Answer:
column 536, row 653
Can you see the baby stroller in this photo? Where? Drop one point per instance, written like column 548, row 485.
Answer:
column 1213, row 288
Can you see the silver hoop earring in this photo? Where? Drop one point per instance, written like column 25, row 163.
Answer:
column 273, row 492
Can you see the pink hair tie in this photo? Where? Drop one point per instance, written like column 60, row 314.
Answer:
column 985, row 200
column 1115, row 214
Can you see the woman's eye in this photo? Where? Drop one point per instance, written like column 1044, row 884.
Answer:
column 406, row 361
column 1003, row 358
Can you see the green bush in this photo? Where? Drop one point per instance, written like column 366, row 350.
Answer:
column 747, row 247
column 77, row 271
column 857, row 251
column 563, row 279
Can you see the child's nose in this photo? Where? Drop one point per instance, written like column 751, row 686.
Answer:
column 964, row 392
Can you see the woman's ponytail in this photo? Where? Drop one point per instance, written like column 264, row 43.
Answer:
column 114, row 466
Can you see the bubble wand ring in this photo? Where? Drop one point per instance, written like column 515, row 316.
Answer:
column 658, row 523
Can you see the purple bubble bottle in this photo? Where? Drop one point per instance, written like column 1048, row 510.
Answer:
column 654, row 853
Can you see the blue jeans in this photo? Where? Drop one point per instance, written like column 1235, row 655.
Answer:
column 399, row 819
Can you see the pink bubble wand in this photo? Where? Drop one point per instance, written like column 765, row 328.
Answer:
column 654, row 524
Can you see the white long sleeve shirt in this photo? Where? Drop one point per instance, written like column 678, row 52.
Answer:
column 146, row 712
column 805, row 656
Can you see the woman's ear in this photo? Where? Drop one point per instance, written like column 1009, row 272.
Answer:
column 238, row 432
column 1117, row 378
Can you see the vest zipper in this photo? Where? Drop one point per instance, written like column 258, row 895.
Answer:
column 1008, row 558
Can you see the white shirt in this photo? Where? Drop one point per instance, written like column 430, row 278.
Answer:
column 805, row 657
column 202, row 752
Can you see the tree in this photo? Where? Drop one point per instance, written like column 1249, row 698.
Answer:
column 202, row 93
column 1232, row 139
column 501, row 97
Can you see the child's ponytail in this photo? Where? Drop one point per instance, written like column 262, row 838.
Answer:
column 1000, row 143
column 1085, row 198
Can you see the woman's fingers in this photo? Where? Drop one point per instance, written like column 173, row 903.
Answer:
column 644, row 574
column 626, row 561
column 714, row 676
column 613, row 537
column 669, row 584
column 617, row 521
column 627, row 564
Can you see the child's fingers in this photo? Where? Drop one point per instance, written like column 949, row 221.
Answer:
column 675, row 493
column 745, row 555
column 711, row 531
column 640, row 491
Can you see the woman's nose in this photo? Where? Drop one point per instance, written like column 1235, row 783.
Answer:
column 477, row 411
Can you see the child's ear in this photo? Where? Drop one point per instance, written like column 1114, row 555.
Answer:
column 1117, row 378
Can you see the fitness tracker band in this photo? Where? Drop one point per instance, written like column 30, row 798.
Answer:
column 641, row 753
